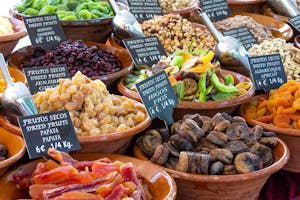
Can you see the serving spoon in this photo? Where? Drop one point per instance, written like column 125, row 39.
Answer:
column 229, row 51
column 16, row 98
column 124, row 24
column 284, row 7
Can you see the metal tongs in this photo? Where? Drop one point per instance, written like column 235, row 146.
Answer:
column 229, row 51
column 16, row 98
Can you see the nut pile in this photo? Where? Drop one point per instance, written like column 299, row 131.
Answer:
column 290, row 55
column 78, row 56
column 176, row 33
column 92, row 109
column 259, row 31
column 3, row 152
column 174, row 5
column 203, row 145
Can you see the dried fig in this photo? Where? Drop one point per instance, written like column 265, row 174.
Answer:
column 217, row 138
column 254, row 146
column 238, row 119
column 218, row 118
column 222, row 126
column 223, row 155
column 180, row 143
column 237, row 147
column 205, row 143
column 173, row 151
column 226, row 116
column 194, row 117
column 216, row 168
column 165, row 134
column 236, row 131
column 269, row 134
column 206, row 127
column 191, row 86
column 247, row 162
column 268, row 141
column 205, row 162
column 229, row 169
column 160, row 155
column 183, row 162
column 189, row 124
column 265, row 153
column 187, row 134
column 257, row 131
column 175, row 126
column 171, row 163
column 150, row 141
column 205, row 118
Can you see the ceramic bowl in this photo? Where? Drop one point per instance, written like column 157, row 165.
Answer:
column 107, row 143
column 185, row 12
column 25, row 53
column 9, row 42
column 297, row 41
column 161, row 184
column 209, row 108
column 253, row 6
column 15, row 146
column 225, row 187
column 290, row 136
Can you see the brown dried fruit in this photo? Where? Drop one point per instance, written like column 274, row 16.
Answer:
column 229, row 169
column 190, row 86
column 193, row 126
column 160, row 155
column 206, row 127
column 254, row 146
column 266, row 155
column 237, row 147
column 257, row 131
column 217, row 138
column 247, row 162
column 223, row 155
column 171, row 163
column 236, row 131
column 238, row 119
column 205, row 162
column 268, row 141
column 216, row 168
column 205, row 118
column 193, row 75
column 183, row 162
column 173, row 151
column 180, row 143
column 195, row 117
column 226, row 116
column 216, row 119
column 150, row 141
column 175, row 126
column 165, row 134
column 222, row 126
column 269, row 134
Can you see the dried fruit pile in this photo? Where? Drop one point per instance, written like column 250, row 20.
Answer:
column 78, row 56
column 203, row 145
column 281, row 109
column 72, row 179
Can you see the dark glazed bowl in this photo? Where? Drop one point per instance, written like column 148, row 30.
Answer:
column 25, row 53
column 253, row 6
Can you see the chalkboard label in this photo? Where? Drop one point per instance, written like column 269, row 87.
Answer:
column 243, row 34
column 48, row 130
column 145, row 51
column 215, row 9
column 295, row 22
column 42, row 77
column 267, row 71
column 158, row 97
column 44, row 31
column 144, row 9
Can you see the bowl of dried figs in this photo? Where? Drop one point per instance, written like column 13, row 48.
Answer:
column 217, row 157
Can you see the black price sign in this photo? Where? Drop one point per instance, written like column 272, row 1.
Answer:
column 45, row 31
column 215, row 9
column 48, row 130
column 267, row 71
column 158, row 97
column 144, row 9
column 40, row 78
column 295, row 22
column 145, row 51
column 243, row 34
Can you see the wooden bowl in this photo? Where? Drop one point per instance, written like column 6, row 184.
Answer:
column 253, row 6
column 225, row 187
column 161, row 184
column 9, row 42
column 209, row 108
column 117, row 142
column 290, row 136
column 15, row 146
column 25, row 53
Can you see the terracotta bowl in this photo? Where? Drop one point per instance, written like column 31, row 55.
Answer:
column 290, row 136
column 225, row 187
column 185, row 12
column 209, row 108
column 25, row 53
column 269, row 12
column 107, row 143
column 9, row 42
column 297, row 41
column 15, row 146
column 253, row 6
column 161, row 184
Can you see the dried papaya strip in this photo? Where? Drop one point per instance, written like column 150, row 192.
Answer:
column 265, row 119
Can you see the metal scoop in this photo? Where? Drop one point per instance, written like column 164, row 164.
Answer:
column 229, row 51
column 124, row 24
column 16, row 98
column 284, row 7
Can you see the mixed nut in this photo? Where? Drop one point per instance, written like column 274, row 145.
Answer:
column 173, row 5
column 259, row 31
column 176, row 33
column 203, row 145
column 290, row 55
column 6, row 27
column 3, row 152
